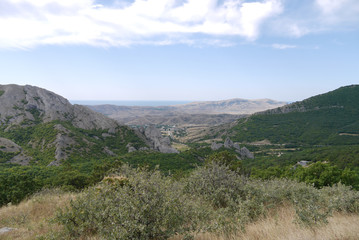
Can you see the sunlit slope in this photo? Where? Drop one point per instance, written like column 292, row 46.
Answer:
column 327, row 119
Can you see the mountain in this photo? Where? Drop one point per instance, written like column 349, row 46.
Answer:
column 327, row 119
column 196, row 113
column 29, row 105
column 40, row 127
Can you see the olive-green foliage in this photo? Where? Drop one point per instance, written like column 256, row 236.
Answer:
column 143, row 204
column 216, row 183
column 1, row 92
column 341, row 156
column 42, row 136
column 225, row 158
column 183, row 161
column 6, row 156
column 18, row 182
column 319, row 121
column 342, row 198
column 138, row 205
column 317, row 174
column 16, row 185
column 87, row 164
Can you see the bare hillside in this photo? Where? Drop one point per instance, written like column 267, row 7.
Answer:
column 196, row 113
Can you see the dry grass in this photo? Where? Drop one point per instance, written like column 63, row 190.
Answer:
column 32, row 218
column 282, row 226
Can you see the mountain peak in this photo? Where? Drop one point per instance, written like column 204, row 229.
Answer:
column 29, row 104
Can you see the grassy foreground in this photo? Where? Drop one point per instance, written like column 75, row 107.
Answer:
column 32, row 219
column 281, row 226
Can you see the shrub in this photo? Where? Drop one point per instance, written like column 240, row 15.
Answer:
column 137, row 205
column 311, row 206
column 216, row 183
column 342, row 198
column 143, row 204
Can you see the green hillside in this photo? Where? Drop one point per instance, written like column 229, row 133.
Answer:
column 326, row 119
column 323, row 129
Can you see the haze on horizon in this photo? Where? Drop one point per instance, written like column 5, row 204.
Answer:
column 180, row 50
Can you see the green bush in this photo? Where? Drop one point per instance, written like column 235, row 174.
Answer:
column 215, row 183
column 342, row 198
column 144, row 206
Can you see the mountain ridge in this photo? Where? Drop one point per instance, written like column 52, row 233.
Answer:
column 204, row 112
column 327, row 118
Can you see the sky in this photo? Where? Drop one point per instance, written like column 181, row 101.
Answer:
column 188, row 50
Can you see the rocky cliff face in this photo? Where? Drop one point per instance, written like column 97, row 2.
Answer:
column 156, row 141
column 39, row 125
column 229, row 144
column 33, row 104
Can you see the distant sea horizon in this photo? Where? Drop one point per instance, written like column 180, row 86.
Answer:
column 129, row 102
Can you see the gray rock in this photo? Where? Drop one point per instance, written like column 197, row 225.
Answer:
column 236, row 146
column 61, row 128
column 143, row 149
column 19, row 103
column 21, row 159
column 228, row 143
column 156, row 141
column 108, row 151
column 112, row 131
column 6, row 229
column 9, row 146
column 132, row 149
column 216, row 146
column 62, row 143
column 245, row 153
column 303, row 163
column 105, row 135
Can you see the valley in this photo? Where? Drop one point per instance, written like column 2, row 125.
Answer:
column 310, row 145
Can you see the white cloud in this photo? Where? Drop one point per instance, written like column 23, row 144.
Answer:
column 308, row 17
column 283, row 46
column 338, row 11
column 28, row 23
column 330, row 6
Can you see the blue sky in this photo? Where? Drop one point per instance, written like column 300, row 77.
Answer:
column 180, row 49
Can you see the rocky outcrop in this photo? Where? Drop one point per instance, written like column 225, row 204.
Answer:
column 215, row 146
column 109, row 152
column 21, row 159
column 63, row 144
column 8, row 146
column 53, row 126
column 156, row 141
column 245, row 153
column 302, row 163
column 130, row 148
column 229, row 144
column 28, row 103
